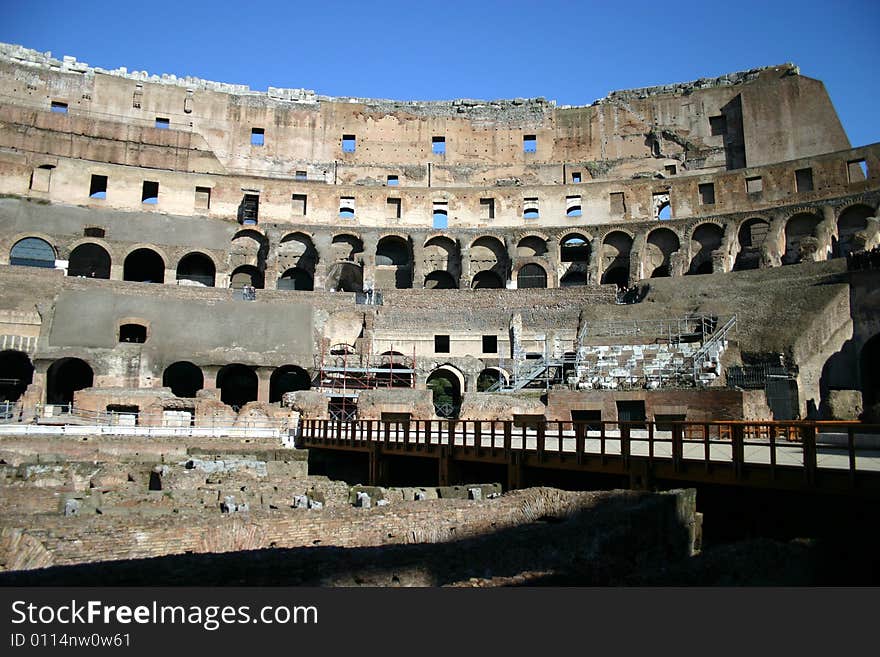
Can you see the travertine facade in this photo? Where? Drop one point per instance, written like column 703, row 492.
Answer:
column 130, row 178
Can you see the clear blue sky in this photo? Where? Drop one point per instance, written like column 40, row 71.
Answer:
column 573, row 52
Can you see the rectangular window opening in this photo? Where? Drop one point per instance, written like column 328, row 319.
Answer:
column 530, row 143
column 203, row 198
column 671, row 169
column 58, row 107
column 618, row 204
column 857, row 170
column 592, row 419
column 349, row 143
column 150, row 192
column 299, row 203
column 707, row 193
column 258, row 136
column 754, row 185
column 441, row 344
column 573, row 206
column 393, row 208
column 490, row 344
column 94, row 231
column 803, row 180
column 301, row 176
column 631, row 411
column 98, row 187
column 487, row 208
column 392, row 181
column 162, row 123
column 346, row 207
column 530, row 208
column 249, row 210
column 717, row 125
column 438, row 145
column 441, row 215
column 576, row 176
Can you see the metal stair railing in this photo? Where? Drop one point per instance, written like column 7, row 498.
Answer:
column 707, row 346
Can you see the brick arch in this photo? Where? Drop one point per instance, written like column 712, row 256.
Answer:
column 145, row 245
column 180, row 254
column 853, row 203
column 104, row 244
column 7, row 244
column 617, row 229
column 688, row 234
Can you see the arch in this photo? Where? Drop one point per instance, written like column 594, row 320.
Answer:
column 441, row 253
column 64, row 377
column 574, row 247
column 89, row 260
column 531, row 276
column 144, row 266
column 705, row 240
column 32, row 252
column 849, row 223
column 346, row 246
column 490, row 376
column 616, row 248
column 238, row 385
column 296, row 278
column 659, row 247
column 798, row 229
column 184, row 378
column 488, row 253
column 751, row 237
column 345, row 277
column 447, row 384
column 246, row 275
column 869, row 366
column 394, row 370
column 298, row 250
column 487, row 280
column 440, row 280
column 531, row 246
column 394, row 251
column 287, row 378
column 197, row 269
column 16, row 374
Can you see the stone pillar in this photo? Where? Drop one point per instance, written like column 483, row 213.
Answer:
column 418, row 264
column 510, row 283
column 553, row 259
column 636, row 253
column 724, row 257
column 826, row 232
column 209, row 373
column 774, row 246
column 677, row 262
column 170, row 277
column 464, row 278
column 264, row 376
column 369, row 260
column 117, row 272
column 594, row 268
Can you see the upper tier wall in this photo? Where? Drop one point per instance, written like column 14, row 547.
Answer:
column 706, row 125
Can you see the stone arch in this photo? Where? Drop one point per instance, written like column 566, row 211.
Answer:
column 531, row 275
column 245, row 275
column 490, row 376
column 33, row 252
column 661, row 244
column 238, row 384
column 345, row 277
column 441, row 253
column 531, row 246
column 706, row 239
column 394, row 263
column 345, row 246
column 249, row 246
column 488, row 253
column 574, row 259
column 487, row 280
column 850, row 222
column 800, row 237
column 752, row 237
column 296, row 278
column 16, row 374
column 144, row 265
column 287, row 378
column 197, row 268
column 184, row 378
column 448, row 385
column 440, row 280
column 89, row 260
column 64, row 377
column 297, row 250
column 615, row 262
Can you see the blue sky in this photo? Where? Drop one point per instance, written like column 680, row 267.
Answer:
column 573, row 52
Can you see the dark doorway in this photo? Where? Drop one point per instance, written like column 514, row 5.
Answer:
column 196, row 268
column 446, row 390
column 89, row 261
column 592, row 419
column 287, row 379
column 296, row 279
column 16, row 374
column 531, row 276
column 487, row 280
column 184, row 379
column 870, row 368
column 65, row 377
column 238, row 385
column 144, row 266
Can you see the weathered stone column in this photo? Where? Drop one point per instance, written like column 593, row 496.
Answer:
column 264, row 376
column 552, row 264
column 418, row 264
column 826, row 232
column 594, row 268
column 464, row 277
column 510, row 283
column 369, row 260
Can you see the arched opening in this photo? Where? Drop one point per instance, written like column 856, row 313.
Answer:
column 16, row 374
column 489, row 379
column 489, row 254
column 441, row 254
column 531, row 276
column 394, row 370
column 661, row 244
column 66, row 376
column 705, row 240
column 531, row 246
column 851, row 221
column 393, row 263
column 800, row 241
column 487, row 280
column 446, row 387
column 346, row 247
column 89, row 261
column 287, row 378
column 144, row 266
column 184, row 379
column 32, row 252
column 296, row 279
column 870, row 370
column 238, row 385
column 135, row 333
column 616, row 249
column 196, row 269
column 574, row 248
column 246, row 275
column 752, row 237
column 440, row 280
column 345, row 277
